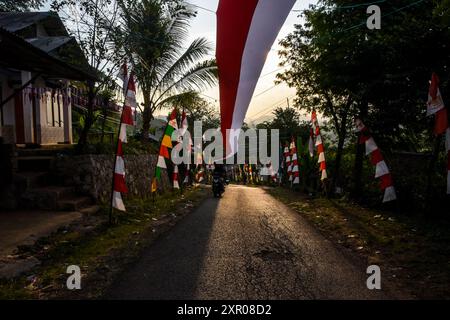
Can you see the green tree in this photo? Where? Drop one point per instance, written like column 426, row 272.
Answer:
column 20, row 5
column 153, row 36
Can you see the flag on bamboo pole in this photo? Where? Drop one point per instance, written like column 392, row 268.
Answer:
column 119, row 185
column 320, row 146
column 294, row 157
column 166, row 144
column 435, row 105
column 288, row 162
column 176, row 184
column 311, row 143
column 376, row 158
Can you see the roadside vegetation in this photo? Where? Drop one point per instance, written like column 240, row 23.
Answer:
column 99, row 249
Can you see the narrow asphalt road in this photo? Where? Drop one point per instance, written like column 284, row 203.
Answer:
column 246, row 245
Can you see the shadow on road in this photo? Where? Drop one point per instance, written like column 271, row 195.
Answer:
column 170, row 267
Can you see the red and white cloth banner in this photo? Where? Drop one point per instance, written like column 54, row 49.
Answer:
column 246, row 31
column 126, row 119
column 319, row 145
column 288, row 162
column 176, row 184
column 273, row 174
column 187, row 174
column 376, row 158
column 435, row 105
column 295, row 172
column 311, row 143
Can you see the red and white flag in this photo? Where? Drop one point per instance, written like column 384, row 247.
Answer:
column 435, row 106
column 246, row 31
column 176, row 184
column 376, row 158
column 295, row 171
column 320, row 146
column 126, row 120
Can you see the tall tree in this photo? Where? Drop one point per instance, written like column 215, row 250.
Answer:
column 20, row 5
column 92, row 23
column 153, row 34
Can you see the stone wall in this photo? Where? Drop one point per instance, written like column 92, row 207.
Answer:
column 92, row 174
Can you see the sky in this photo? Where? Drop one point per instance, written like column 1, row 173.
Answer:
column 266, row 97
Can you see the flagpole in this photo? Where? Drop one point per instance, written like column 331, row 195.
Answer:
column 115, row 154
column 156, row 163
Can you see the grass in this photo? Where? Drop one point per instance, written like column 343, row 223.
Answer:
column 411, row 250
column 100, row 250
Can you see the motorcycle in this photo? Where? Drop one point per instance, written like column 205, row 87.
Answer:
column 217, row 187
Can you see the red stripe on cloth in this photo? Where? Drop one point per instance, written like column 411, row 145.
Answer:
column 164, row 152
column 127, row 115
column 376, row 157
column 119, row 148
column 441, row 122
column 323, row 166
column 233, row 23
column 434, row 85
column 320, row 148
column 119, row 183
column 385, row 181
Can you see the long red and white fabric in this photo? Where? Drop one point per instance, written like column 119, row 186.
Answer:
column 246, row 31
column 320, row 146
column 295, row 171
column 176, row 184
column 311, row 143
column 436, row 106
column 119, row 185
column 288, row 162
column 187, row 174
column 376, row 158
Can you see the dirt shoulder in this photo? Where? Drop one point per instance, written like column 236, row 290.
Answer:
column 412, row 252
column 100, row 250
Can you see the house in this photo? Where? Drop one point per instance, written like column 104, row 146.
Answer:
column 38, row 59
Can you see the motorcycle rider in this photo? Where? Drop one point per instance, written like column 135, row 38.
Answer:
column 220, row 173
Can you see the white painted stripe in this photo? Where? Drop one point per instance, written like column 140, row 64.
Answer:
column 268, row 18
column 117, row 201
column 296, row 180
column 321, row 157
column 294, row 157
column 389, row 194
column 324, row 175
column 295, row 169
column 161, row 162
column 120, row 166
column 123, row 133
column 381, row 169
column 370, row 146
column 318, row 140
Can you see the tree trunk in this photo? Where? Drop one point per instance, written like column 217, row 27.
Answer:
column 89, row 121
column 359, row 157
column 147, row 117
column 337, row 164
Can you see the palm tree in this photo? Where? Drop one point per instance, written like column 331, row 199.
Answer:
column 152, row 34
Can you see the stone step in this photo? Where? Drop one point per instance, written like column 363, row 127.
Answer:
column 74, row 203
column 28, row 180
column 34, row 163
column 45, row 198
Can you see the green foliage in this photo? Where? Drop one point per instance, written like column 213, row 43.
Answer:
column 153, row 34
column 20, row 5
